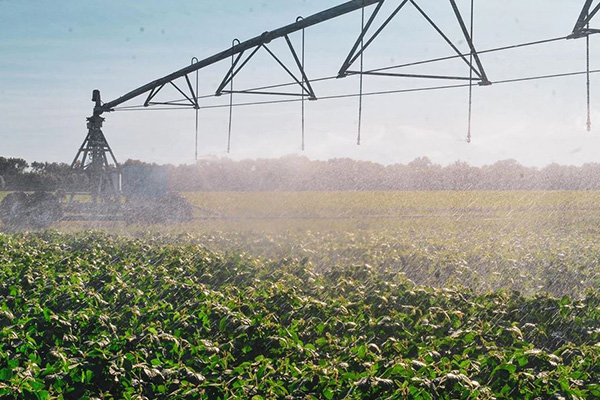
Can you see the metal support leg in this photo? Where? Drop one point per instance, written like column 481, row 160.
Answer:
column 95, row 162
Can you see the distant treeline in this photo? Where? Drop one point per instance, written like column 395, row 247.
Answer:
column 295, row 173
column 18, row 174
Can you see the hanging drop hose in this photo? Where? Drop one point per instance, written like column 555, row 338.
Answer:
column 233, row 44
column 589, row 100
column 471, row 76
column 303, row 82
column 361, row 77
column 195, row 60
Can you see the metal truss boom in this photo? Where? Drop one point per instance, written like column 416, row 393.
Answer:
column 304, row 82
column 363, row 42
column 258, row 41
column 582, row 28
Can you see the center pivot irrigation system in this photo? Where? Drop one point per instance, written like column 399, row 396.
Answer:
column 105, row 182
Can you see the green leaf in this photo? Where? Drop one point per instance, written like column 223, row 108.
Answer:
column 36, row 385
column 506, row 367
column 261, row 372
column 6, row 374
column 320, row 328
column 42, row 395
column 564, row 301
column 89, row 375
column 361, row 351
column 594, row 389
column 469, row 338
column 47, row 314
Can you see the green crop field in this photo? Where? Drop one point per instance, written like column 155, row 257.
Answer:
column 418, row 295
column 93, row 315
column 533, row 242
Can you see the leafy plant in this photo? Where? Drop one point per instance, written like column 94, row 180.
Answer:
column 93, row 315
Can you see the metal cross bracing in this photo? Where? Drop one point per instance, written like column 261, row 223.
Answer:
column 364, row 41
column 582, row 26
column 238, row 65
column 376, row 70
column 587, row 9
column 242, row 53
column 192, row 97
column 252, row 44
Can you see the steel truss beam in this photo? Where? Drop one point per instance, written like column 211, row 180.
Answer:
column 582, row 28
column 263, row 39
column 304, row 82
column 191, row 98
column 362, row 43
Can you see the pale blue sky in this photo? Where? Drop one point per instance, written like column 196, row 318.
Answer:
column 54, row 53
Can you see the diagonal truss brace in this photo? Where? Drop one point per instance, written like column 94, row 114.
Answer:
column 304, row 82
column 582, row 28
column 191, row 98
column 359, row 48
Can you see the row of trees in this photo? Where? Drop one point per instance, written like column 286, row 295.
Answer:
column 18, row 174
column 295, row 173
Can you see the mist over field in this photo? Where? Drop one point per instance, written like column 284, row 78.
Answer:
column 326, row 294
column 296, row 173
column 503, row 226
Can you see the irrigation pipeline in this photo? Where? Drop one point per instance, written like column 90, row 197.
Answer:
column 333, row 77
column 378, row 93
column 492, row 50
